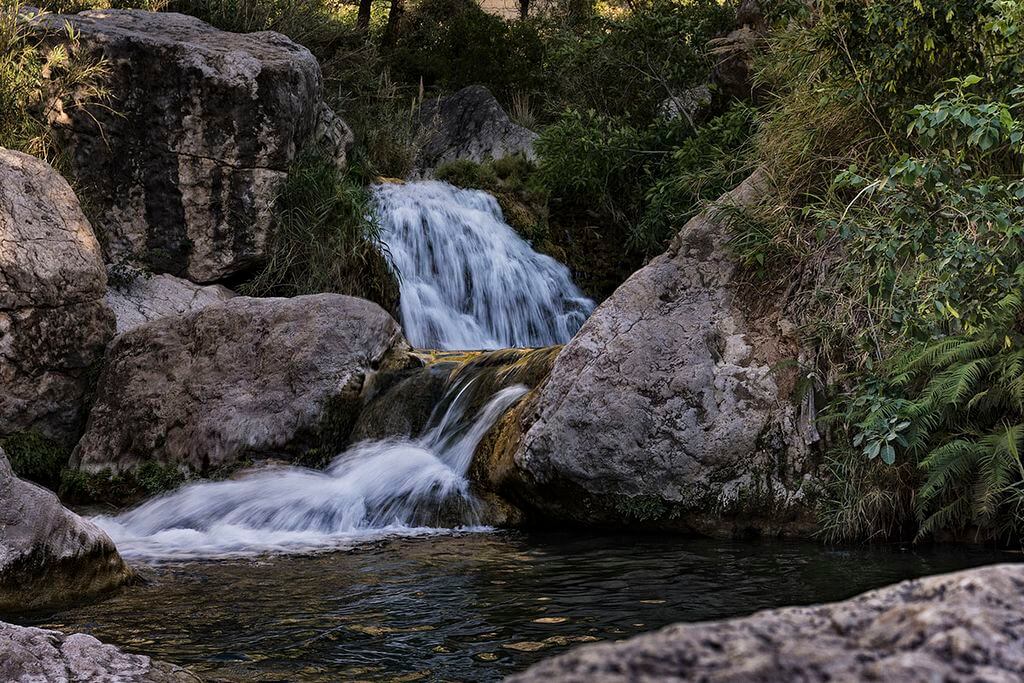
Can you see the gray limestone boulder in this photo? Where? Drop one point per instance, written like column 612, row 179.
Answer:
column 54, row 323
column 49, row 556
column 35, row 655
column 137, row 298
column 185, row 158
column 237, row 380
column 469, row 124
column 672, row 407
column 965, row 626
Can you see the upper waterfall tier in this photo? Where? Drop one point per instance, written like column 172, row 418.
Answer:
column 468, row 281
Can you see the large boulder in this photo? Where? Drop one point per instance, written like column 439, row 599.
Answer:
column 242, row 379
column 137, row 298
column 184, row 159
column 672, row 407
column 54, row 324
column 49, row 556
column 35, row 655
column 957, row 627
column 471, row 125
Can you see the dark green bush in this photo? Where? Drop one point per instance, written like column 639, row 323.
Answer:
column 453, row 43
column 325, row 239
column 36, row 458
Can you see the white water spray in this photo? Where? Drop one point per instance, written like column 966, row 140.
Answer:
column 468, row 281
column 375, row 489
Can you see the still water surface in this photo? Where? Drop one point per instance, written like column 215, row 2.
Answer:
column 471, row 607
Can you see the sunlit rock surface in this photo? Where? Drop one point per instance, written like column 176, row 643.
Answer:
column 668, row 408
column 35, row 655
column 965, row 626
column 184, row 160
column 239, row 379
column 469, row 124
column 54, row 323
column 49, row 556
column 141, row 297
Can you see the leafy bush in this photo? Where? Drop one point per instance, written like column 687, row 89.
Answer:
column 325, row 239
column 454, row 43
column 645, row 182
column 37, row 82
column 36, row 458
column 624, row 64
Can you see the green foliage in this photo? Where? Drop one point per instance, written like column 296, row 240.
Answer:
column 510, row 180
column 325, row 239
column 36, row 458
column 38, row 82
column 645, row 182
column 454, row 43
column 123, row 488
column 624, row 64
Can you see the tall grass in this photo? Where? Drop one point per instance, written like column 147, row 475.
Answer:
column 326, row 239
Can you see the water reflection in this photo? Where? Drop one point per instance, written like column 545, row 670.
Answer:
column 474, row 607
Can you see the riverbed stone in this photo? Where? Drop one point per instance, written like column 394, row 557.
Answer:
column 138, row 297
column 54, row 323
column 469, row 124
column 673, row 407
column 184, row 159
column 965, row 626
column 238, row 380
column 35, row 655
column 49, row 556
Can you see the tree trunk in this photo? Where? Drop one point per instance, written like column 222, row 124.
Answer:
column 394, row 17
column 363, row 19
column 524, row 9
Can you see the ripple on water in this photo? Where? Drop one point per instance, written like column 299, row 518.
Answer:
column 471, row 607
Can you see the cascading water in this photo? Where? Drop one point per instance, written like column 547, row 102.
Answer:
column 374, row 489
column 468, row 281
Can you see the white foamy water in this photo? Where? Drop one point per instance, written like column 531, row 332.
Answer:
column 375, row 489
column 468, row 281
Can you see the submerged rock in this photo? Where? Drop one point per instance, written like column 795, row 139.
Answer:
column 957, row 627
column 184, row 160
column 28, row 655
column 49, row 556
column 246, row 378
column 469, row 124
column 141, row 297
column 668, row 409
column 54, row 323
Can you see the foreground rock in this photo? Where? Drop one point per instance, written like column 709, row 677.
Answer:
column 28, row 655
column 958, row 627
column 184, row 161
column 667, row 409
column 246, row 378
column 49, row 556
column 469, row 124
column 54, row 323
column 141, row 298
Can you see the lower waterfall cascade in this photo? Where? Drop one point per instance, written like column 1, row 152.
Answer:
column 374, row 489
column 467, row 280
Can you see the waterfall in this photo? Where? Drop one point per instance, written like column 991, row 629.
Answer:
column 468, row 281
column 376, row 488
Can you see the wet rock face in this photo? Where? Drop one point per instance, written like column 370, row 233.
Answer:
column 141, row 298
column 666, row 409
column 239, row 379
column 958, row 627
column 54, row 323
column 183, row 162
column 35, row 654
column 49, row 556
column 469, row 124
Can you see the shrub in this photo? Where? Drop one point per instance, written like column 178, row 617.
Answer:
column 37, row 82
column 36, row 458
column 325, row 238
